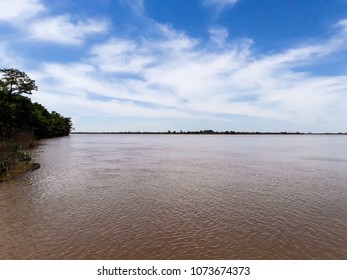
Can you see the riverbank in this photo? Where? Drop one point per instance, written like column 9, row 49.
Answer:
column 15, row 155
column 18, row 170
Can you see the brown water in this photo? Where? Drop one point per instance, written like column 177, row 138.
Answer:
column 179, row 197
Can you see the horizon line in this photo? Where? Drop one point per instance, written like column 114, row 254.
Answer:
column 210, row 132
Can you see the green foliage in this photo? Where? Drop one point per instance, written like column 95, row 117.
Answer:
column 21, row 120
column 49, row 124
column 22, row 155
column 15, row 82
column 19, row 114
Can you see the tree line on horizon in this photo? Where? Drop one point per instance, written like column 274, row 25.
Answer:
column 212, row 132
column 19, row 114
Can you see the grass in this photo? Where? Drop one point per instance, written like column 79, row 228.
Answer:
column 15, row 151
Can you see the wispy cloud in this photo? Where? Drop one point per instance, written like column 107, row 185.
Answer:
column 137, row 6
column 9, row 58
column 61, row 29
column 221, row 2
column 117, row 55
column 219, row 5
column 142, row 78
column 18, row 10
column 219, row 35
column 167, row 74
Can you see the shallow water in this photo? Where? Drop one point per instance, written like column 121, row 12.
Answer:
column 179, row 197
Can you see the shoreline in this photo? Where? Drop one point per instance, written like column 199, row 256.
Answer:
column 215, row 133
column 19, row 170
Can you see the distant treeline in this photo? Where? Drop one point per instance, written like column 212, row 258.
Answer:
column 211, row 132
column 18, row 114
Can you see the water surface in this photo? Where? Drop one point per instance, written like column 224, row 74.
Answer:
column 179, row 197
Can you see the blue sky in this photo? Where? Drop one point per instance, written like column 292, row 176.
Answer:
column 157, row 65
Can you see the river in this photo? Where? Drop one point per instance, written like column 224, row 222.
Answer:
column 179, row 197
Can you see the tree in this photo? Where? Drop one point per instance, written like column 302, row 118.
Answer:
column 15, row 82
column 18, row 114
column 15, row 109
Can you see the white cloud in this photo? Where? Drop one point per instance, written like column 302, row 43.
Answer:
column 218, row 6
column 172, row 75
column 220, row 2
column 61, row 29
column 19, row 10
column 119, row 55
column 342, row 24
column 219, row 35
column 8, row 58
column 129, row 56
column 137, row 6
column 176, row 76
column 174, row 40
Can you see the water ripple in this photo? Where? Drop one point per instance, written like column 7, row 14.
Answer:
column 179, row 197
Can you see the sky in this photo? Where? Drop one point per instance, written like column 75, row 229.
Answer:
column 158, row 65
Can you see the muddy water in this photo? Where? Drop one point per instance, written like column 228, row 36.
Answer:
column 179, row 197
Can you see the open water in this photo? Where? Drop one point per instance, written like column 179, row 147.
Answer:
column 179, row 197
